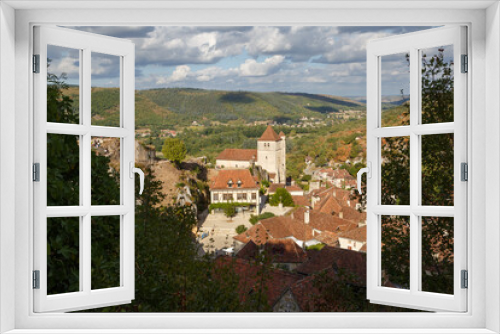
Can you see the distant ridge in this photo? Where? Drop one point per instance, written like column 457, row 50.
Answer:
column 182, row 106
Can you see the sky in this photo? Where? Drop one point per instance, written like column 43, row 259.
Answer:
column 307, row 59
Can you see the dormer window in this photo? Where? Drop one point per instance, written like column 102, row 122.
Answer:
column 230, row 183
column 239, row 184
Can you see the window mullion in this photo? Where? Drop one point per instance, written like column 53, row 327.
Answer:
column 414, row 169
column 86, row 168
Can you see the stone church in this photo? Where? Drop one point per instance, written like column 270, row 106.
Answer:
column 270, row 155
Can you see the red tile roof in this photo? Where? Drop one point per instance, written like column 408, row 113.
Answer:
column 235, row 175
column 275, row 284
column 286, row 226
column 336, row 258
column 282, row 134
column 301, row 201
column 275, row 186
column 353, row 214
column 358, row 234
column 325, row 222
column 280, row 251
column 236, row 154
column 329, row 205
column 256, row 234
column 293, row 188
column 269, row 135
column 279, row 227
column 328, row 238
column 249, row 251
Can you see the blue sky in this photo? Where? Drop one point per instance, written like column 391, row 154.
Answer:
column 311, row 59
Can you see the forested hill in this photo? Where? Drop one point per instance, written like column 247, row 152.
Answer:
column 182, row 106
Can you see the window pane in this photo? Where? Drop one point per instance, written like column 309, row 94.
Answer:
column 437, row 254
column 105, row 89
column 395, row 181
column 63, row 170
column 396, row 251
column 105, row 171
column 105, row 252
column 63, row 84
column 437, row 170
column 395, row 89
column 63, row 255
column 437, row 84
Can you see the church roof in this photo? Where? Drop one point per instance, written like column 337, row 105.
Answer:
column 269, row 135
column 236, row 154
column 282, row 134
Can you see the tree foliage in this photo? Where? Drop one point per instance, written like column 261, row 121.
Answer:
column 174, row 150
column 229, row 211
column 281, row 196
column 240, row 229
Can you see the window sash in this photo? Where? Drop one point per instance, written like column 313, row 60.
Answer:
column 412, row 43
column 85, row 298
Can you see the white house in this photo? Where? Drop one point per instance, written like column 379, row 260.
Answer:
column 354, row 239
column 235, row 186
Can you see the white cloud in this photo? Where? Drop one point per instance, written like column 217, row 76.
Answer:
column 251, row 68
column 68, row 65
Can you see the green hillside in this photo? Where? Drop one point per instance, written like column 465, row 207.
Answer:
column 171, row 107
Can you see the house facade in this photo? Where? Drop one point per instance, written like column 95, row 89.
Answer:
column 354, row 239
column 236, row 186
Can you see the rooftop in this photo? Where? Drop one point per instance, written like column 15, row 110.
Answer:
column 276, row 283
column 330, row 257
column 358, row 234
column 221, row 181
column 269, row 135
column 236, row 154
column 280, row 251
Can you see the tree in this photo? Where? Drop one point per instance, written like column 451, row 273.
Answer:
column 281, row 196
column 240, row 229
column 229, row 211
column 174, row 150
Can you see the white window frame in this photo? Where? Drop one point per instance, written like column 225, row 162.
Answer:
column 413, row 44
column 483, row 19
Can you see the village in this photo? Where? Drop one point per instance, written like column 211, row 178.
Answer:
column 303, row 232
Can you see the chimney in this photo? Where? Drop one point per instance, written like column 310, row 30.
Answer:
column 306, row 216
column 341, row 215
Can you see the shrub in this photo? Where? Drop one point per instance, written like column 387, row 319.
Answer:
column 306, row 178
column 254, row 219
column 240, row 229
column 223, row 206
column 281, row 196
column 265, row 183
column 316, row 247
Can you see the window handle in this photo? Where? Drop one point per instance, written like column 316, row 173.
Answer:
column 141, row 176
column 368, row 171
